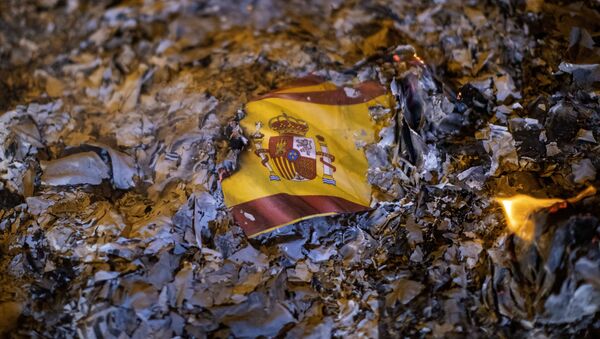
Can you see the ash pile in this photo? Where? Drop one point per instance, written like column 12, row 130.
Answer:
column 114, row 133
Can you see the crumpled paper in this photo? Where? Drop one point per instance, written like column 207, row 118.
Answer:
column 491, row 97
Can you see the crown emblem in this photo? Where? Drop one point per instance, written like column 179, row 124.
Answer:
column 286, row 125
column 291, row 155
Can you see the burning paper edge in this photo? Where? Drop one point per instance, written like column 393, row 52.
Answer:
column 520, row 209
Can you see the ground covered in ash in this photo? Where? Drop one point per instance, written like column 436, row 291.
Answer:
column 113, row 136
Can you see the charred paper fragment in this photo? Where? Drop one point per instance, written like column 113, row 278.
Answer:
column 584, row 75
column 403, row 291
column 411, row 114
column 583, row 170
column 552, row 149
column 561, row 124
column 505, row 88
column 586, row 135
column 500, row 145
column 204, row 212
column 570, row 306
column 75, row 169
column 123, row 167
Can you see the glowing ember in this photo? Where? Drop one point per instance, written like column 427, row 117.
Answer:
column 520, row 209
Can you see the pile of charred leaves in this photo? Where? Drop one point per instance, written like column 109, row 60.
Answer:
column 113, row 132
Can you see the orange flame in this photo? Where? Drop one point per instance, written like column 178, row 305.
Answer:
column 520, row 209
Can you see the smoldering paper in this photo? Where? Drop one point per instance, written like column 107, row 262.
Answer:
column 496, row 105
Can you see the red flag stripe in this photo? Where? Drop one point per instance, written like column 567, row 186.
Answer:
column 280, row 209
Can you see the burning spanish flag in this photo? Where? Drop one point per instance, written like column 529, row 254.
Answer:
column 305, row 157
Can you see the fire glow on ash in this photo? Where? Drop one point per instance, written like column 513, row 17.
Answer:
column 520, row 209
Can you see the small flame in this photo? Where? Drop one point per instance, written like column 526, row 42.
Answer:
column 419, row 60
column 520, row 210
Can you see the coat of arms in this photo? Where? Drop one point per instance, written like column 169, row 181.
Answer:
column 292, row 155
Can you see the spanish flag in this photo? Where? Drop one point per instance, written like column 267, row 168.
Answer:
column 305, row 157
